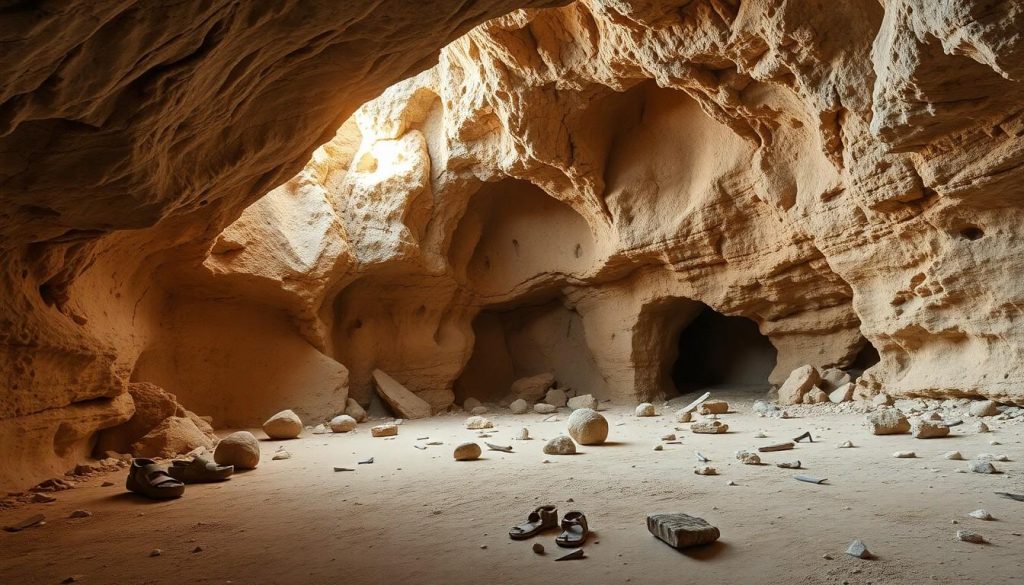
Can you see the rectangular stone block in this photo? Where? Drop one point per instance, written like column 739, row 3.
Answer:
column 681, row 530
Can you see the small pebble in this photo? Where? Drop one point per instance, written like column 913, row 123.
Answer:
column 155, row 552
column 80, row 514
column 968, row 536
column 538, row 548
column 904, row 455
column 981, row 514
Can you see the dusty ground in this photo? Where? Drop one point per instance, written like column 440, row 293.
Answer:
column 419, row 517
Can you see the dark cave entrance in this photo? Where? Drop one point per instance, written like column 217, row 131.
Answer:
column 720, row 351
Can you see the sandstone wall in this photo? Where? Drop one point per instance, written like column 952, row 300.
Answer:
column 566, row 184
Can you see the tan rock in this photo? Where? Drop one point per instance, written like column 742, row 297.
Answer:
column 152, row 405
column 583, row 401
column 533, row 388
column 467, row 452
column 353, row 409
column 384, row 430
column 799, row 383
column 343, row 423
column 887, row 421
column 709, row 427
column 175, row 435
column 714, row 407
column 556, row 397
column 478, row 422
column 560, row 445
column 843, row 393
column 240, row 449
column 926, row 429
column 519, row 406
column 283, row 425
column 833, row 378
column 587, row 427
column 645, row 409
column 402, row 402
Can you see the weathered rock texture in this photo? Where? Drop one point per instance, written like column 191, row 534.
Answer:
column 565, row 191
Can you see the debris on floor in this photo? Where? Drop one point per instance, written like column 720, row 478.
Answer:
column 858, row 549
column 36, row 520
column 810, row 479
column 682, row 530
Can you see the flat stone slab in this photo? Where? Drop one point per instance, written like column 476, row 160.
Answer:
column 402, row 402
column 682, row 530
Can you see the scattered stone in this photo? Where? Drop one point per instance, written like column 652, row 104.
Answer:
column 714, row 407
column 981, row 427
column 478, row 422
column 991, row 457
column 353, row 409
column 668, row 437
column 981, row 515
column 887, row 421
column 155, row 552
column 399, row 399
column 107, row 484
column 799, row 382
column 776, row 447
column 789, row 464
column 281, row 454
column 858, row 549
column 683, row 417
column 533, row 388
column 645, row 409
column 560, row 445
column 730, row 483
column 815, row 396
column 197, row 549
column 846, row 445
column 467, row 452
column 541, row 408
column 556, row 397
column 387, row 430
column 343, row 469
column 523, row 434
column 519, row 406
column 843, row 393
column 904, row 455
column 693, row 405
column 538, row 548
column 968, row 536
column 368, row 461
column 760, row 435
column 926, row 429
column 764, row 408
column 29, row 522
column 38, row 498
column 705, row 470
column 883, row 399
column 174, row 435
column 479, row 410
column 994, row 443
column 832, row 378
column 659, row 447
column 283, row 425
column 953, row 455
column 584, row 401
column 240, row 449
column 981, row 467
column 588, row 427
column 748, row 458
column 574, row 555
column 470, row 403
column 72, row 579
column 80, row 514
column 701, row 457
column 343, row 423
column 709, row 427
column 984, row 408
column 319, row 430
column 682, row 530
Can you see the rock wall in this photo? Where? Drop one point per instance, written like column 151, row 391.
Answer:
column 560, row 192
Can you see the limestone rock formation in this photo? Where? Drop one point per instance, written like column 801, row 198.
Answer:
column 567, row 190
column 174, row 435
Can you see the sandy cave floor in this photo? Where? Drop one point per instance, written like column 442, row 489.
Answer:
column 417, row 516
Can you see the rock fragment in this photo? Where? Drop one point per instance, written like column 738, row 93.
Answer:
column 858, row 549
column 748, row 458
column 478, row 422
column 968, row 536
column 981, row 466
column 705, row 470
column 556, row 397
column 402, row 402
column 343, row 423
column 283, row 425
column 984, row 408
column 533, row 388
column 519, row 406
column 709, row 427
column 799, row 383
column 584, row 401
column 887, row 421
column 542, row 408
column 714, row 407
column 904, row 455
column 926, row 429
column 682, row 530
column 384, row 430
column 467, row 452
column 240, row 449
column 953, row 455
column 587, row 427
column 560, row 445
column 981, row 514
column 645, row 409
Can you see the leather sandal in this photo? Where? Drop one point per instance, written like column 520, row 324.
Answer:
column 199, row 469
column 150, row 479
column 574, row 530
column 538, row 521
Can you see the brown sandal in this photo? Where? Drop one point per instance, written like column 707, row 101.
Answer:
column 150, row 479
column 538, row 521
column 574, row 530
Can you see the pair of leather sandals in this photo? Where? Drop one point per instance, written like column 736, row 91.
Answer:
column 160, row 482
column 574, row 526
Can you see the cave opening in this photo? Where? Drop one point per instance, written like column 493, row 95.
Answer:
column 513, row 343
column 715, row 350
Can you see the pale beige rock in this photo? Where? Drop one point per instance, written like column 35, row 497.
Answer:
column 684, row 416
column 799, row 383
column 343, row 423
column 556, row 397
column 843, row 393
column 887, row 421
column 174, row 435
column 283, row 425
column 478, row 422
column 519, row 406
column 587, row 427
column 709, row 427
column 583, row 401
column 984, row 408
column 926, row 429
column 541, row 408
column 470, row 403
column 401, row 401
column 645, row 409
column 560, row 445
column 353, row 409
column 833, row 378
column 883, row 399
column 384, row 430
column 240, row 449
column 815, row 396
column 532, row 388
